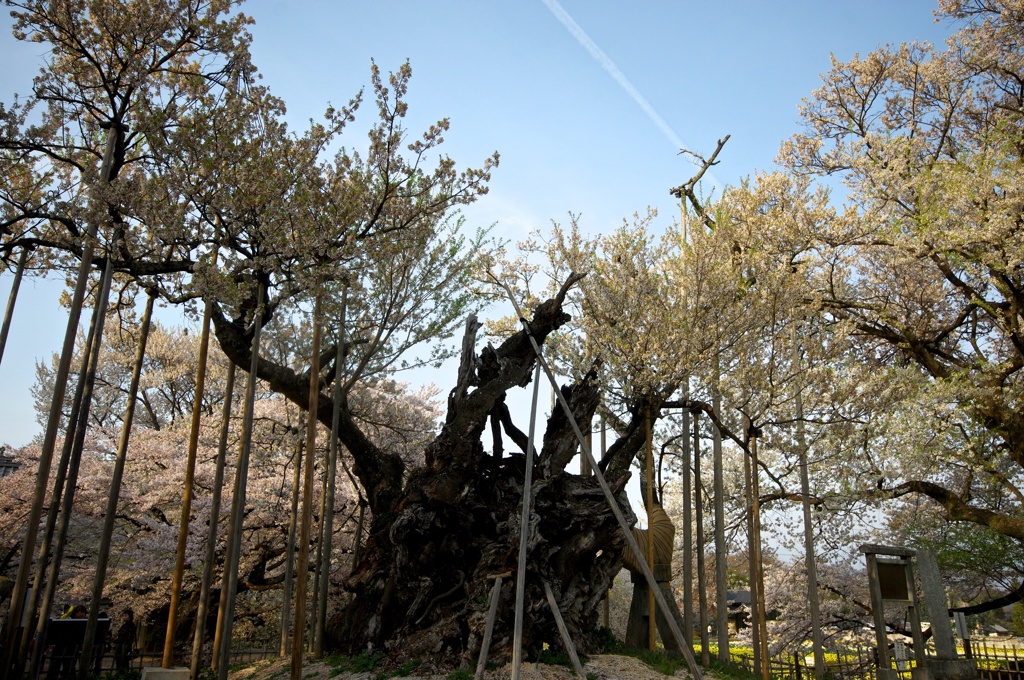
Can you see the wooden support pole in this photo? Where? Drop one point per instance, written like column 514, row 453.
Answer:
column 817, row 643
column 610, row 498
column 698, row 505
column 13, row 658
column 59, row 482
column 492, row 614
column 687, row 480
column 299, row 627
column 762, row 624
column 114, row 493
column 570, row 648
column 289, row 555
column 186, row 495
column 226, row 610
column 327, row 538
column 755, row 629
column 651, row 617
column 12, row 298
column 80, row 428
column 721, row 552
column 211, row 538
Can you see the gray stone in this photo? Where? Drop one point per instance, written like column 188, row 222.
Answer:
column 175, row 673
column 938, row 606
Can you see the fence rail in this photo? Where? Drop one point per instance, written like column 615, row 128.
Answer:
column 995, row 661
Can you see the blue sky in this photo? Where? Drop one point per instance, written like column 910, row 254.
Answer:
column 585, row 100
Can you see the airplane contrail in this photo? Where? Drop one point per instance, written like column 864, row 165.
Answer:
column 618, row 76
column 609, row 66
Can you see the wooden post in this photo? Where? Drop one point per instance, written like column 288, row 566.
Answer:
column 79, row 429
column 605, row 612
column 612, row 502
column 307, row 493
column 289, row 558
column 805, row 503
column 12, row 298
column 12, row 655
column 721, row 564
column 762, row 624
column 332, row 468
column 492, row 614
column 226, row 610
column 53, row 513
column 186, row 496
column 755, row 629
column 570, row 648
column 687, row 528
column 114, row 493
column 211, row 538
column 651, row 618
column 702, row 589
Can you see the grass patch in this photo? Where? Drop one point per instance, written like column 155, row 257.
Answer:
column 460, row 674
column 733, row 670
column 362, row 663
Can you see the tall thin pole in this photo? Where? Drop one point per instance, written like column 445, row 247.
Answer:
column 606, row 613
column 186, row 499
column 74, row 462
column 59, row 483
column 9, row 312
column 805, row 501
column 687, row 531
column 115, row 485
column 226, row 610
column 307, row 493
column 627, row 533
column 52, row 515
column 721, row 564
column 755, row 487
column 524, row 524
column 698, row 504
column 755, row 630
column 289, row 557
column 12, row 628
column 651, row 617
column 332, row 468
column 211, row 538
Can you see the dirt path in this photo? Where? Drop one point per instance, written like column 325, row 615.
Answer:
column 602, row 667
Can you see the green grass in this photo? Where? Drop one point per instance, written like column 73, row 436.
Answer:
column 461, row 674
column 362, row 663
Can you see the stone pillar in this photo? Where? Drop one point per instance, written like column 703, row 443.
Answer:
column 944, row 665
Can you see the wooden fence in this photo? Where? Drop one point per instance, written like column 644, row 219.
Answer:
column 995, row 661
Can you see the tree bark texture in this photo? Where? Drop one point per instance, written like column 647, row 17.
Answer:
column 421, row 589
column 440, row 531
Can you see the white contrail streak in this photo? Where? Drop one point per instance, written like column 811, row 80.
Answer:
column 609, row 66
column 619, row 77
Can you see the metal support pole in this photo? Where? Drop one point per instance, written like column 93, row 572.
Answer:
column 524, row 526
column 612, row 503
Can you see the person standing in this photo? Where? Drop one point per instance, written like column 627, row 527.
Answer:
column 124, row 641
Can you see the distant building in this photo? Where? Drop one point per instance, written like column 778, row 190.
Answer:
column 7, row 463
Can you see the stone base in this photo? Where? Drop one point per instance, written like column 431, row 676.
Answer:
column 175, row 673
column 946, row 669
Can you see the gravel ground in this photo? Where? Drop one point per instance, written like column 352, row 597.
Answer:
column 603, row 666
